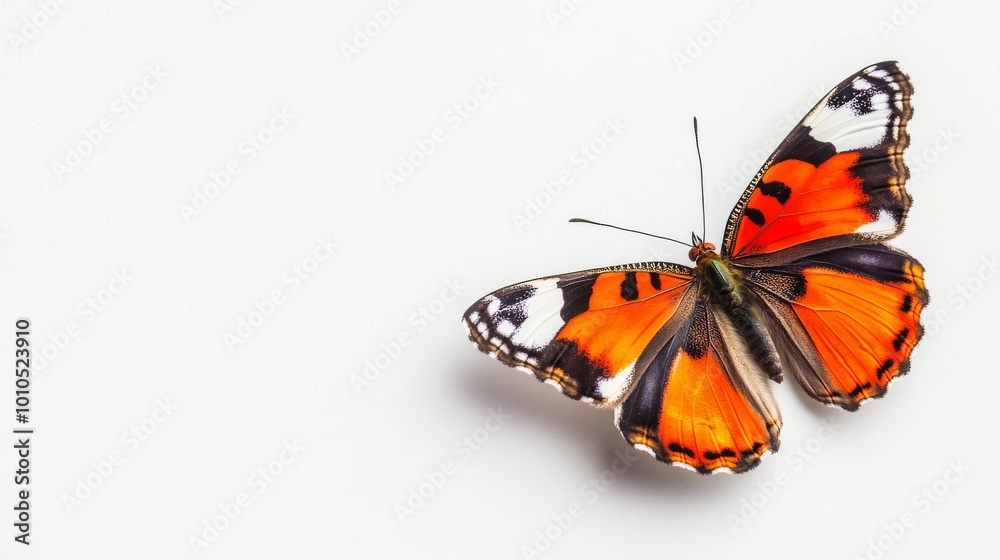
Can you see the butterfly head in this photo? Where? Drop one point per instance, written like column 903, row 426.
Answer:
column 701, row 249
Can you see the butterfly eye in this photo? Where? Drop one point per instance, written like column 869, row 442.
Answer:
column 693, row 254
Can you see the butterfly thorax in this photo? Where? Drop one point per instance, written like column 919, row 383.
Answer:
column 721, row 284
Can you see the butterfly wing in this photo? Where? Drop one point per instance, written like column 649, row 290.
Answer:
column 588, row 333
column 837, row 180
column 703, row 403
column 846, row 320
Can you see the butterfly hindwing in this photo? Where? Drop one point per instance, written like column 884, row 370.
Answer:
column 847, row 319
column 703, row 403
column 838, row 179
column 588, row 332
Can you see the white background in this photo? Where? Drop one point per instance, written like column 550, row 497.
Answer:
column 433, row 244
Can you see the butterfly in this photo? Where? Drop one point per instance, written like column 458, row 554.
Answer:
column 803, row 283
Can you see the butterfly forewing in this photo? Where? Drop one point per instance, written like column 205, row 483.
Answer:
column 837, row 180
column 588, row 333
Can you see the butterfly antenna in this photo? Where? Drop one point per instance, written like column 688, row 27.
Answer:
column 582, row 221
column 701, row 173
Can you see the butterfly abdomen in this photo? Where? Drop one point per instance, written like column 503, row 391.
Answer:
column 758, row 341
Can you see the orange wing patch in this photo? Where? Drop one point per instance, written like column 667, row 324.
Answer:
column 587, row 333
column 695, row 407
column 860, row 308
column 798, row 202
column 865, row 331
column 625, row 311
column 706, row 421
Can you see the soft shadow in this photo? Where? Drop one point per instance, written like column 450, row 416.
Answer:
column 593, row 431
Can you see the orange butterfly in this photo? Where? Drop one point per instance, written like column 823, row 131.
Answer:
column 803, row 283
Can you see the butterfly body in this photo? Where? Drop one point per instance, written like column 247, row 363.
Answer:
column 721, row 284
column 803, row 284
